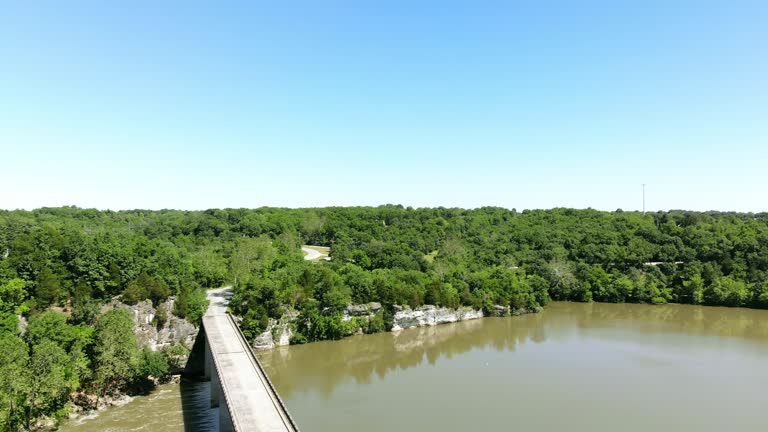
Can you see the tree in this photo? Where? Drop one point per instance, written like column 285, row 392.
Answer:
column 9, row 323
column 693, row 289
column 14, row 379
column 117, row 353
column 156, row 288
column 85, row 312
column 312, row 226
column 251, row 255
column 761, row 294
column 51, row 326
column 210, row 267
column 728, row 291
column 191, row 304
column 115, row 279
column 12, row 296
column 561, row 279
column 153, row 364
column 330, row 290
column 47, row 288
column 134, row 293
column 51, row 380
column 80, row 359
column 146, row 287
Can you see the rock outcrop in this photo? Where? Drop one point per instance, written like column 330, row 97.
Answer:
column 429, row 315
column 361, row 310
column 22, row 327
column 158, row 329
column 278, row 332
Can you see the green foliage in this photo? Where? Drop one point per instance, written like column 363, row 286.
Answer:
column 354, row 325
column 153, row 363
column 117, row 353
column 315, row 326
column 191, row 304
column 14, row 380
column 157, row 288
column 251, row 256
column 161, row 317
column 79, row 353
column 49, row 326
column 255, row 322
column 9, row 323
column 298, row 339
column 52, row 379
column 728, row 291
column 134, row 293
column 47, row 288
column 177, row 355
column 146, row 287
column 12, row 296
column 85, row 311
column 376, row 324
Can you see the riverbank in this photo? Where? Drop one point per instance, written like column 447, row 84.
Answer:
column 155, row 328
column 161, row 409
column 280, row 332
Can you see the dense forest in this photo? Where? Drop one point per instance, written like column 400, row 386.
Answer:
column 58, row 266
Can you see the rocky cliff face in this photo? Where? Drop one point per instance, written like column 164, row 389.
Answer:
column 429, row 315
column 158, row 335
column 278, row 332
column 361, row 310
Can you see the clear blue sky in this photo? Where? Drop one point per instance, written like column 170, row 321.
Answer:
column 528, row 105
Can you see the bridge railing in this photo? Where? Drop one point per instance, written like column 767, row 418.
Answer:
column 275, row 396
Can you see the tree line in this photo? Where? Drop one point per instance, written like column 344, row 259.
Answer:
column 67, row 262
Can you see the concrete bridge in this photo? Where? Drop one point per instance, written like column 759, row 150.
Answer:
column 240, row 388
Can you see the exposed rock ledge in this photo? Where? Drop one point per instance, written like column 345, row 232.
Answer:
column 361, row 310
column 158, row 335
column 279, row 332
column 429, row 315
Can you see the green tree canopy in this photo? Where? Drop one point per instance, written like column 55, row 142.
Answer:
column 14, row 379
column 12, row 296
column 117, row 353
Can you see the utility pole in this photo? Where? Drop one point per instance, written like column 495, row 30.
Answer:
column 643, row 198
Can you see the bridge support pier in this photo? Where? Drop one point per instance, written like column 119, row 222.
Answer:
column 216, row 391
column 208, row 366
column 225, row 420
column 212, row 376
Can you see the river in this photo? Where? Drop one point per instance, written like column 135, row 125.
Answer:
column 575, row 367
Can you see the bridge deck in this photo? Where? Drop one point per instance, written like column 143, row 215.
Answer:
column 248, row 394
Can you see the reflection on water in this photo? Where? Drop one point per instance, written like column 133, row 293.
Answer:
column 324, row 365
column 600, row 367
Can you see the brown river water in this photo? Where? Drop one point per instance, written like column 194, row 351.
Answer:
column 575, row 367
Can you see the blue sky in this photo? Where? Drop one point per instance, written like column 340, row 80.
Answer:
column 515, row 104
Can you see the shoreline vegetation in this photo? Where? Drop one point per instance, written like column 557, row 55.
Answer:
column 60, row 268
